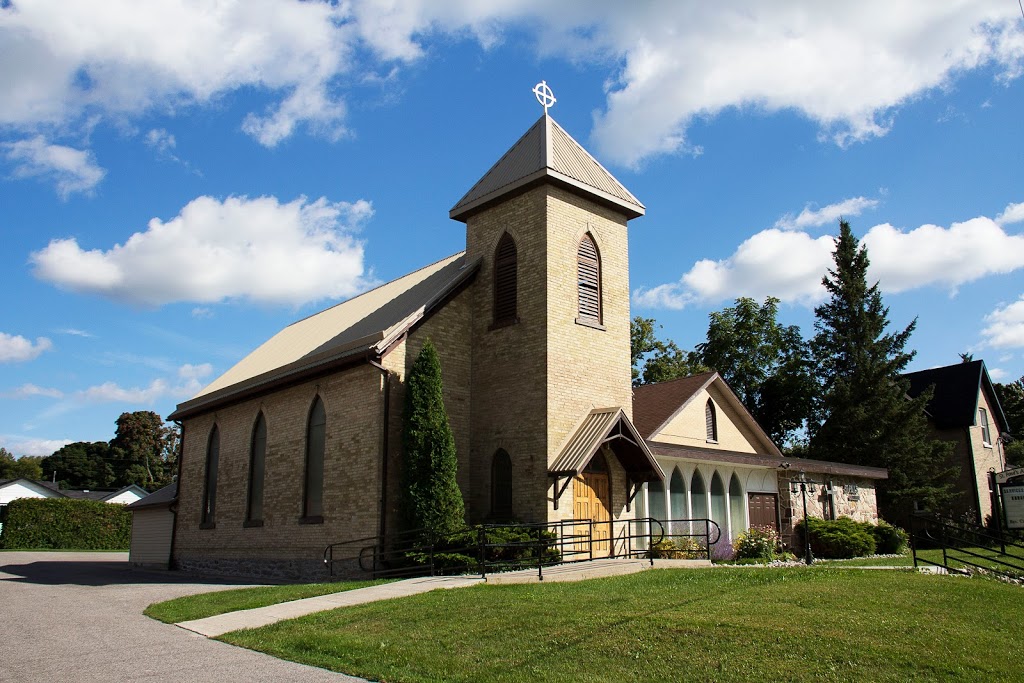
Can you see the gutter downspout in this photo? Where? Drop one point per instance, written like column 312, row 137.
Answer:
column 173, row 507
column 384, row 450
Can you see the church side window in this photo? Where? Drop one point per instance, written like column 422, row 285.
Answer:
column 505, row 281
column 501, row 486
column 588, row 264
column 316, row 444
column 257, row 469
column 210, row 486
column 711, row 421
column 986, row 435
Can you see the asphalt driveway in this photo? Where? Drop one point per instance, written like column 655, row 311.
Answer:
column 78, row 617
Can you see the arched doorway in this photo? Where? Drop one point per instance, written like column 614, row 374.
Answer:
column 592, row 500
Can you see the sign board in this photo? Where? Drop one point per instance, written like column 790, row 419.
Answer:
column 1013, row 506
column 1007, row 475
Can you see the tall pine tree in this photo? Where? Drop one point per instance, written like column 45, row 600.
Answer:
column 431, row 498
column 862, row 414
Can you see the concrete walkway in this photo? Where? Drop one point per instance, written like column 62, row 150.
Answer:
column 263, row 616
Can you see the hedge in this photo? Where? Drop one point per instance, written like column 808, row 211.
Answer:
column 66, row 524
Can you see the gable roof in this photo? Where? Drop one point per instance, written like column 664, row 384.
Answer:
column 45, row 487
column 104, row 494
column 364, row 325
column 954, row 402
column 654, row 405
column 164, row 496
column 547, row 153
column 611, row 426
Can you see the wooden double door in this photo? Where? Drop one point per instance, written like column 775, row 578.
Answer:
column 592, row 500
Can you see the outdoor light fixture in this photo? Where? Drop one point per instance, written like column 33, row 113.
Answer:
column 803, row 482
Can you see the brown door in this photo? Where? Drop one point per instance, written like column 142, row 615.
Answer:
column 592, row 500
column 764, row 509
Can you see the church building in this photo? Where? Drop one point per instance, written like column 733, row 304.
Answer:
column 299, row 444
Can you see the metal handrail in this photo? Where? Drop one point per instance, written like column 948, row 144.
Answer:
column 953, row 536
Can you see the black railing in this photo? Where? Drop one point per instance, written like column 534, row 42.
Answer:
column 490, row 548
column 965, row 545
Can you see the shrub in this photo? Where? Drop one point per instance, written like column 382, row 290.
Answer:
column 505, row 548
column 758, row 542
column 837, row 539
column 889, row 539
column 66, row 524
column 678, row 549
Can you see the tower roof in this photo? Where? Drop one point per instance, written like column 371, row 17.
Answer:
column 546, row 153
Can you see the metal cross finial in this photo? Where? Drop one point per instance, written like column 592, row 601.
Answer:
column 544, row 95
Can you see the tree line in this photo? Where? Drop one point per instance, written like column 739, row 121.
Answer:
column 838, row 396
column 144, row 451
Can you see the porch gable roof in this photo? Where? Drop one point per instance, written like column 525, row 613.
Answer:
column 607, row 426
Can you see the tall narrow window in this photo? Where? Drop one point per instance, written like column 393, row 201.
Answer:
column 257, row 467
column 505, row 281
column 316, row 433
column 588, row 265
column 986, row 436
column 501, row 486
column 210, row 487
column 710, row 421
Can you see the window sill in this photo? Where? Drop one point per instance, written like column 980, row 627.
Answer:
column 714, row 441
column 498, row 324
column 208, row 525
column 316, row 519
column 986, row 445
column 591, row 323
column 252, row 523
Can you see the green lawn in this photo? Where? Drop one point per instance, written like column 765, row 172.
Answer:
column 218, row 602
column 726, row 624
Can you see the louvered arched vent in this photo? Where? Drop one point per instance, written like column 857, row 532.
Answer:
column 505, row 281
column 589, row 278
column 710, row 421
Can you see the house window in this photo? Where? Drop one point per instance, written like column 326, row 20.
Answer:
column 711, row 422
column 501, row 486
column 505, row 281
column 316, row 435
column 986, row 437
column 210, row 488
column 257, row 468
column 588, row 265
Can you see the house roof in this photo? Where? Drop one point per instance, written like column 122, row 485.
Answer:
column 42, row 486
column 954, row 402
column 104, row 494
column 606, row 426
column 770, row 461
column 364, row 325
column 546, row 153
column 164, row 496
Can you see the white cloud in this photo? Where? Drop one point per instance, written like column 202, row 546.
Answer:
column 997, row 374
column 76, row 333
column 202, row 312
column 239, row 248
column 187, row 384
column 21, row 446
column 1013, row 213
column 1005, row 327
column 17, row 349
column 72, row 170
column 790, row 264
column 160, row 140
column 813, row 218
column 31, row 390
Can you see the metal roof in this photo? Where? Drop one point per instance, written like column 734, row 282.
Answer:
column 368, row 323
column 547, row 153
column 611, row 426
column 164, row 496
column 954, row 402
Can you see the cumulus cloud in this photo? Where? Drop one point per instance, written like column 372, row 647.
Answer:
column 240, row 248
column 17, row 349
column 1005, row 326
column 813, row 218
column 186, row 384
column 848, row 69
column 790, row 264
column 72, row 170
column 1013, row 213
column 22, row 446
column 31, row 391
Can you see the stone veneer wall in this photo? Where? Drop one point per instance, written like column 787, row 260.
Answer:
column 282, row 548
column 791, row 504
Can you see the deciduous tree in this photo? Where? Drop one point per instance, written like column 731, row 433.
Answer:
column 654, row 360
column 27, row 466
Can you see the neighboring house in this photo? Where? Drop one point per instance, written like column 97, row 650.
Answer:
column 964, row 409
column 153, row 528
column 299, row 444
column 13, row 489
column 719, row 464
column 123, row 496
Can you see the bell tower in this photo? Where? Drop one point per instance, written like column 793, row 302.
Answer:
column 550, row 329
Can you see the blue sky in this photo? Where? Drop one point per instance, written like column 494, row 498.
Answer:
column 180, row 180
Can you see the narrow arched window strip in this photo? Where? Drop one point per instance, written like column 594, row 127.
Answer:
column 210, row 486
column 711, row 421
column 257, row 469
column 316, row 435
column 505, row 281
column 501, row 486
column 588, row 264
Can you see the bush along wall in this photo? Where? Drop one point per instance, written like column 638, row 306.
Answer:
column 66, row 524
column 844, row 538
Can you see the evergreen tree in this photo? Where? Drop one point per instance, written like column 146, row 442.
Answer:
column 862, row 413
column 431, row 496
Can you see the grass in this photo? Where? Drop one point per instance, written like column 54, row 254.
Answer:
column 789, row 624
column 218, row 602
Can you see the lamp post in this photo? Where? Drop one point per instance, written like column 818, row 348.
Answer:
column 802, row 481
